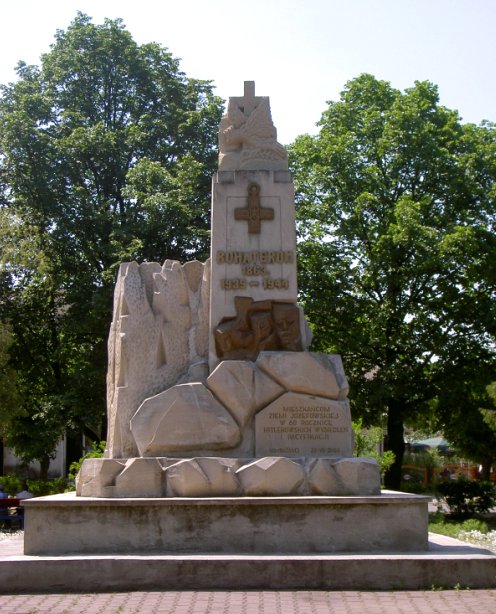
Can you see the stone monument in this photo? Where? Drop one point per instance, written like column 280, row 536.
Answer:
column 225, row 433
column 211, row 388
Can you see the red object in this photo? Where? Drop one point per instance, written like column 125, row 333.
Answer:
column 9, row 502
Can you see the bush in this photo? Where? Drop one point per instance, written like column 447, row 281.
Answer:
column 474, row 524
column 13, row 484
column 40, row 488
column 366, row 443
column 468, row 497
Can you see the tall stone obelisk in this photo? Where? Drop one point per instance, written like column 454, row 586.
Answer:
column 253, row 250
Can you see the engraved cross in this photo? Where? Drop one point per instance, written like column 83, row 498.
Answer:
column 253, row 213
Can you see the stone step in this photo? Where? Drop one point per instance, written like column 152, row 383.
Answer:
column 448, row 563
column 64, row 524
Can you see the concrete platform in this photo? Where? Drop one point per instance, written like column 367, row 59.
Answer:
column 74, row 544
column 66, row 524
column 447, row 563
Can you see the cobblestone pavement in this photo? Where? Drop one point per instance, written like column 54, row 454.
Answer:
column 263, row 602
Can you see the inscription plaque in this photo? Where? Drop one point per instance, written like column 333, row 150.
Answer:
column 297, row 425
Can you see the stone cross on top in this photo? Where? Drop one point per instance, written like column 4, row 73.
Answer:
column 249, row 101
column 247, row 135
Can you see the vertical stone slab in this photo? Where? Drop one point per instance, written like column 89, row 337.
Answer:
column 159, row 335
column 253, row 249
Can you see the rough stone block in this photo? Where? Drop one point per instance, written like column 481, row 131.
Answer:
column 271, row 477
column 141, row 477
column 182, row 418
column 345, row 476
column 159, row 334
column 361, row 476
column 306, row 372
column 323, row 478
column 242, row 388
column 197, row 373
column 96, row 477
column 203, row 477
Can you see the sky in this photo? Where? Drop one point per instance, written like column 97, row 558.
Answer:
column 300, row 53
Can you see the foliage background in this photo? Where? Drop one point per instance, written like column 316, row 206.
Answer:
column 106, row 155
column 396, row 210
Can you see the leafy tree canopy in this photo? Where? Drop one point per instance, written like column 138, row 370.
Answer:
column 397, row 249
column 8, row 389
column 106, row 155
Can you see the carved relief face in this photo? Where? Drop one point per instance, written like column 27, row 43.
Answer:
column 261, row 324
column 287, row 324
column 258, row 326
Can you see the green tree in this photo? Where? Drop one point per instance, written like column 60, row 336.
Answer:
column 368, row 443
column 9, row 401
column 396, row 204
column 106, row 155
column 468, row 418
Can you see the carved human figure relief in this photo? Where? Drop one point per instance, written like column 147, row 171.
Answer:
column 258, row 326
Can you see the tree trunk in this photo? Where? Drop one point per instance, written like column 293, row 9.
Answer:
column 44, row 464
column 486, row 469
column 395, row 442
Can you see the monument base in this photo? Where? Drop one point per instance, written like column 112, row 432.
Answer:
column 66, row 524
column 447, row 563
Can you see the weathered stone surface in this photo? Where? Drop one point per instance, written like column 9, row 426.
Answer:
column 260, row 266
column 184, row 417
column 307, row 372
column 174, row 324
column 197, row 373
column 297, row 425
column 271, row 476
column 323, row 478
column 247, row 136
column 96, row 477
column 360, row 475
column 208, row 476
column 141, row 477
column 227, row 525
column 159, row 331
column 203, row 477
column 346, row 476
column 242, row 388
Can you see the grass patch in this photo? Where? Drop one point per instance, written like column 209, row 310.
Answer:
column 444, row 525
column 478, row 531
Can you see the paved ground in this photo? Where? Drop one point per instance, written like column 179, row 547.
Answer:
column 266, row 602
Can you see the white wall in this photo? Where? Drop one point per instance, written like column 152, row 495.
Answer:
column 13, row 464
